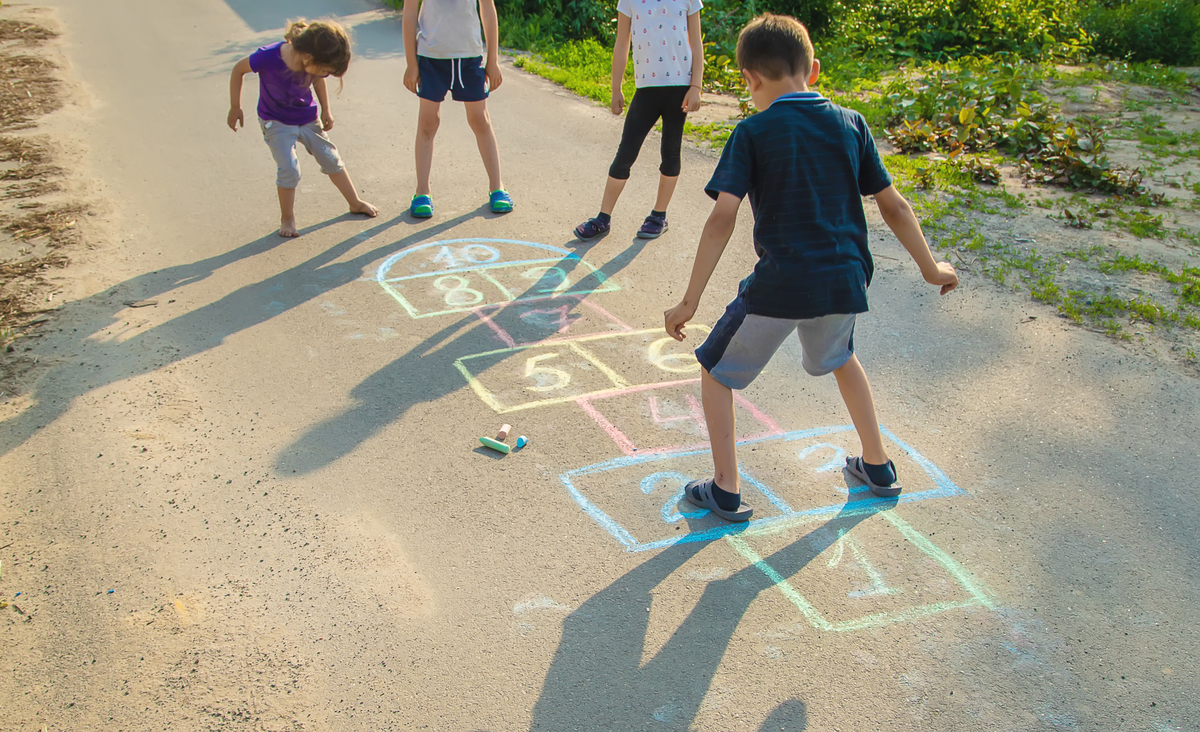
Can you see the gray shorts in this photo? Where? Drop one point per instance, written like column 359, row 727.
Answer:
column 741, row 344
column 282, row 140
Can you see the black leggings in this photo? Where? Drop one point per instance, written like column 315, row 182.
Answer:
column 648, row 104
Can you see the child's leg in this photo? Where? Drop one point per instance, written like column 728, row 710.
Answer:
column 485, row 138
column 734, row 354
column 346, row 186
column 287, row 212
column 322, row 148
column 639, row 120
column 856, row 392
column 428, row 120
column 718, row 415
column 673, row 118
column 612, row 191
column 281, row 139
column 666, row 189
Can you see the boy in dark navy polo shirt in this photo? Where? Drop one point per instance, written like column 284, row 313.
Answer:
column 805, row 163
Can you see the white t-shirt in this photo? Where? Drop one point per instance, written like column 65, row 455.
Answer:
column 449, row 29
column 658, row 37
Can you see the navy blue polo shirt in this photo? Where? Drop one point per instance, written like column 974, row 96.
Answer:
column 806, row 163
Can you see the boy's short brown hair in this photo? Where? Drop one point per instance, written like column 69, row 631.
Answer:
column 775, row 46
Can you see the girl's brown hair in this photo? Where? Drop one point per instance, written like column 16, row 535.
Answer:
column 327, row 42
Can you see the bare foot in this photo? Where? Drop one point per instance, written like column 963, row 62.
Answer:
column 288, row 229
column 362, row 207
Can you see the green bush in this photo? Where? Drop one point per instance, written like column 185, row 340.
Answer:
column 944, row 29
column 1167, row 31
column 546, row 22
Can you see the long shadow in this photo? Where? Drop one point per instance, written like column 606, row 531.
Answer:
column 100, row 363
column 597, row 680
column 265, row 15
column 377, row 38
column 426, row 372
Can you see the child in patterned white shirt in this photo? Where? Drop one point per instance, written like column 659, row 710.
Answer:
column 668, row 64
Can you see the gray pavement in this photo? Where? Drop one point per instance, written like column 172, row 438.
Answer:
column 261, row 503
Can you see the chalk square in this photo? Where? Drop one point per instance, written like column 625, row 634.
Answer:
column 879, row 571
column 551, row 279
column 650, row 356
column 790, row 479
column 525, row 377
column 457, row 275
column 426, row 296
column 516, row 378
column 669, row 418
column 530, row 322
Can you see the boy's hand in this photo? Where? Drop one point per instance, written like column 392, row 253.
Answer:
column 234, row 119
column 494, row 77
column 326, row 121
column 691, row 102
column 945, row 276
column 617, row 105
column 677, row 317
column 412, row 78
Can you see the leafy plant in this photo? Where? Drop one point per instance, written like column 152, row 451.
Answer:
column 981, row 104
column 1145, row 30
column 947, row 29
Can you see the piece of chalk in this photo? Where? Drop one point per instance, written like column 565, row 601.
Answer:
column 502, row 435
column 495, row 445
column 522, row 441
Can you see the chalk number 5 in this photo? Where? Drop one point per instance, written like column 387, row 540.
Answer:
column 549, row 379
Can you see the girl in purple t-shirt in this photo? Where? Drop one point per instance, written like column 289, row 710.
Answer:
column 288, row 73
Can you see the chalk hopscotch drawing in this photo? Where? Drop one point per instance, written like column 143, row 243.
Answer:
column 515, row 286
column 776, row 512
column 457, row 275
column 553, row 372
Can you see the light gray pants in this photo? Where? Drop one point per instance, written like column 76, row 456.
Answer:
column 282, row 140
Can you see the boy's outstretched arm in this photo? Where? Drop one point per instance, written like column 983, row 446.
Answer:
column 240, row 69
column 620, row 61
column 899, row 217
column 717, row 231
column 491, row 37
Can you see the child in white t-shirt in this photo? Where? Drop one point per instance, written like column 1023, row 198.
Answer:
column 668, row 65
column 446, row 53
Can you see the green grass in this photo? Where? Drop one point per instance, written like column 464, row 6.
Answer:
column 713, row 133
column 943, row 190
column 584, row 67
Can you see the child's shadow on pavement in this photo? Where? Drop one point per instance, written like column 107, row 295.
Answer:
column 597, row 679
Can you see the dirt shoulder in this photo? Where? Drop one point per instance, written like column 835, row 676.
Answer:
column 41, row 199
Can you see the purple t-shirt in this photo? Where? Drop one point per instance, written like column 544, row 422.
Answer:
column 283, row 94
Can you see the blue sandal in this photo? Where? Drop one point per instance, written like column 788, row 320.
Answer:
column 422, row 207
column 500, row 201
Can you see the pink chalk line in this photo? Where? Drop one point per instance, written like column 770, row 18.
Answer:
column 626, row 445
column 507, row 339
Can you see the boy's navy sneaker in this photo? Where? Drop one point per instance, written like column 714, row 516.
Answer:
column 653, row 227
column 592, row 228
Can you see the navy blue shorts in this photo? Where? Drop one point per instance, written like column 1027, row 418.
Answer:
column 464, row 78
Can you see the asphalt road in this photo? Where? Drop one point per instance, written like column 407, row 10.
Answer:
column 260, row 503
